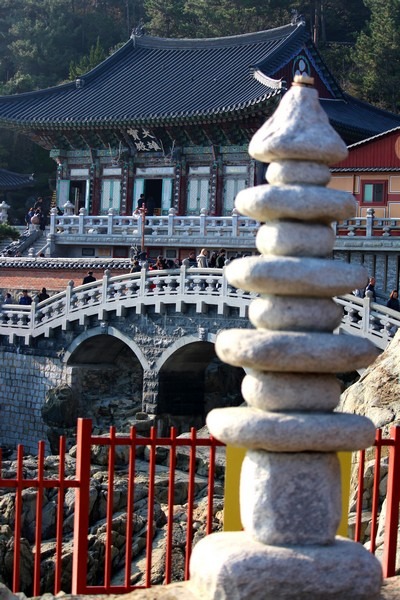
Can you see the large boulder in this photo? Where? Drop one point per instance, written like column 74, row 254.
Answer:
column 376, row 394
column 60, row 407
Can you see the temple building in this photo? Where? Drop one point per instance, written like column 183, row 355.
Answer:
column 168, row 121
column 371, row 172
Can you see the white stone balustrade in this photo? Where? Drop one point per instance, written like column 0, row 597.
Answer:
column 236, row 231
column 176, row 287
column 360, row 317
column 172, row 225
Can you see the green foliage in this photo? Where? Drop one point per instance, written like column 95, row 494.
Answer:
column 377, row 55
column 45, row 42
column 87, row 63
column 7, row 232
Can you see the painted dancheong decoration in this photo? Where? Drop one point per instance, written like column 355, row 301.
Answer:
column 290, row 480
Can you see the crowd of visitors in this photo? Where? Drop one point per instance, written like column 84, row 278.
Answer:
column 205, row 259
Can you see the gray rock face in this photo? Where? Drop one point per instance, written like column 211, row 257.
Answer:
column 376, row 393
column 60, row 407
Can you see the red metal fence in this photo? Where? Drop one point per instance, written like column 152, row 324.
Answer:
column 59, row 486
column 392, row 498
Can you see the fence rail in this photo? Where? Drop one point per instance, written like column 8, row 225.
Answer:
column 231, row 227
column 82, row 482
column 391, row 524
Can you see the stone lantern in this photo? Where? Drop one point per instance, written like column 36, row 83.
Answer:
column 290, row 495
column 4, row 212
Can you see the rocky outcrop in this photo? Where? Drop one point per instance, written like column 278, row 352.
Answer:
column 376, row 393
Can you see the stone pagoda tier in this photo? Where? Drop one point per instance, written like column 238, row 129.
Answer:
column 290, row 493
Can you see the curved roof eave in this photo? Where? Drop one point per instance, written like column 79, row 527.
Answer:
column 214, row 114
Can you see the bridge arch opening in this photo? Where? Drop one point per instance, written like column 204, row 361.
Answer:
column 192, row 381
column 107, row 378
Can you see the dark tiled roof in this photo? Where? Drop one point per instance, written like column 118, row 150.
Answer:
column 354, row 116
column 13, row 181
column 65, row 263
column 154, row 80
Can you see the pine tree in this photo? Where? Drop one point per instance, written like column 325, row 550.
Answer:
column 376, row 76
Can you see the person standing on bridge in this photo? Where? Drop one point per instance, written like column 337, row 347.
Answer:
column 89, row 278
column 393, row 301
column 202, row 261
column 371, row 289
column 25, row 299
column 43, row 295
column 221, row 258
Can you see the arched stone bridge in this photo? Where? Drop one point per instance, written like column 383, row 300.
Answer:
column 178, row 289
column 154, row 330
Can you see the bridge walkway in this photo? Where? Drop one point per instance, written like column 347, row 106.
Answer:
column 177, row 287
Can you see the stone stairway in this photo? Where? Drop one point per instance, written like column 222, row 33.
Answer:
column 36, row 247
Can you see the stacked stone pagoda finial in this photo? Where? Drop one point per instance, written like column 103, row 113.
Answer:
column 290, row 493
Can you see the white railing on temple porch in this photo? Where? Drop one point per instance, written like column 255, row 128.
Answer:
column 167, row 226
column 234, row 227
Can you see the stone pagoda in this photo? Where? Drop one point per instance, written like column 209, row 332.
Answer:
column 290, row 494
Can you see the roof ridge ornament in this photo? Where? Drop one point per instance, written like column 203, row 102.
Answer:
column 139, row 30
column 297, row 18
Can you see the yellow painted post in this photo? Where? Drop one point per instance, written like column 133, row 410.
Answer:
column 234, row 459
column 345, row 470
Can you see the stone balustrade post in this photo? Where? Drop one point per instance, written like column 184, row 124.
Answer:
column 366, row 317
column 182, row 281
column 68, row 298
column 69, row 209
column 370, row 222
column 171, row 221
column 53, row 220
column 203, row 221
column 235, row 223
column 110, row 220
column 81, row 224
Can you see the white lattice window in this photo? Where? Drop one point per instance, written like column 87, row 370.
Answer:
column 110, row 195
column 198, row 195
column 235, row 180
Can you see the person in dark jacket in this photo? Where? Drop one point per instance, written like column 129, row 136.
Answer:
column 221, row 258
column 43, row 295
column 371, row 288
column 393, row 301
column 89, row 278
column 25, row 299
